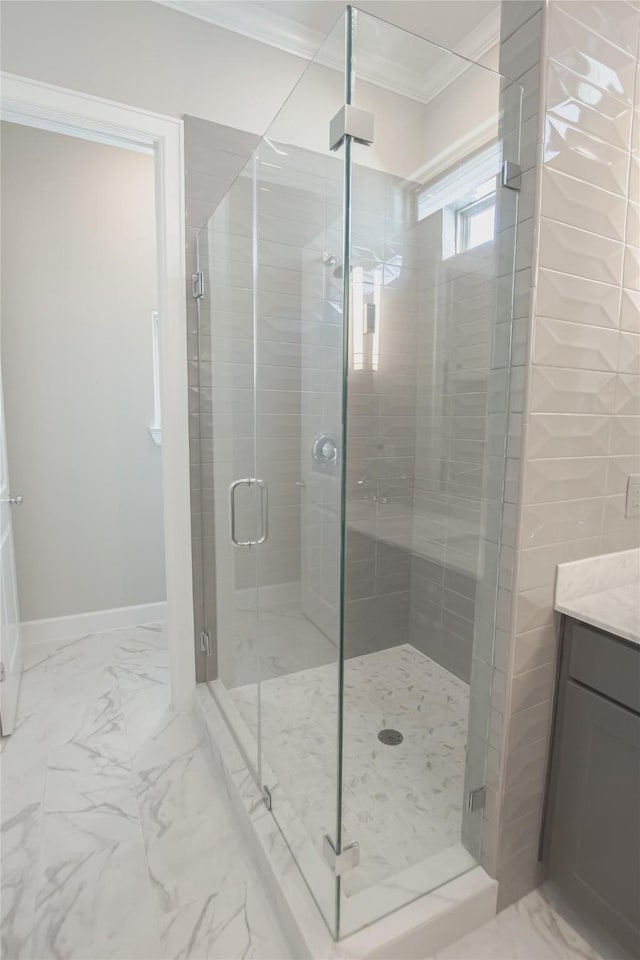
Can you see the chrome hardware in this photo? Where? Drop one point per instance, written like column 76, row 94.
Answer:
column 300, row 483
column 347, row 859
column 14, row 501
column 476, row 799
column 197, row 285
column 205, row 643
column 511, row 175
column 246, row 481
column 3, row 675
column 350, row 121
column 264, row 511
column 266, row 796
column 325, row 451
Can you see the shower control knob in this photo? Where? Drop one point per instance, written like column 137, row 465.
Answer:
column 325, row 451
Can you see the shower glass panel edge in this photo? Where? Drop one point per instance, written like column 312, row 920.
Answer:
column 276, row 349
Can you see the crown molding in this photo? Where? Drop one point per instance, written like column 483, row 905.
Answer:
column 250, row 19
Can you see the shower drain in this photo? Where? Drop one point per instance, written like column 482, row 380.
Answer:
column 391, row 737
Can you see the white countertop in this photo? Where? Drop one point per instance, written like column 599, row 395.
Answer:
column 603, row 591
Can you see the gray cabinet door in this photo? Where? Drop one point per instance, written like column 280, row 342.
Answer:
column 594, row 853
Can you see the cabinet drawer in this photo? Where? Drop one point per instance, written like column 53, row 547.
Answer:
column 610, row 666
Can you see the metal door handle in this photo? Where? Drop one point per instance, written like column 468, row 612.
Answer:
column 14, row 501
column 245, row 481
column 264, row 510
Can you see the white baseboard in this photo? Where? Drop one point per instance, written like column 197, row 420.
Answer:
column 96, row 621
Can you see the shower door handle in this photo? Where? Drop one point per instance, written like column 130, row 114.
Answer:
column 244, row 482
column 264, row 510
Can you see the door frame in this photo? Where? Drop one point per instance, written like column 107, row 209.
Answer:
column 48, row 107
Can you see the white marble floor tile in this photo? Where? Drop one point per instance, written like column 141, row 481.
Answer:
column 230, row 922
column 97, row 905
column 530, row 929
column 20, row 842
column 23, row 762
column 171, row 737
column 190, row 840
column 116, row 839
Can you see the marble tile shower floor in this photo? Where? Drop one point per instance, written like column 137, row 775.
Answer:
column 117, row 840
column 402, row 803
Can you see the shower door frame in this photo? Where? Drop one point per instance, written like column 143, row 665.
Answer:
column 48, row 107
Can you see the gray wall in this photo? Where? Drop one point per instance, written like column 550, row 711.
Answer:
column 79, row 286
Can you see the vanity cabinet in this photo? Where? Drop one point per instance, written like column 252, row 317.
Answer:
column 592, row 828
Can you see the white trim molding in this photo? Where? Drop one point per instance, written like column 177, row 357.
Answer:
column 96, row 621
column 253, row 20
column 70, row 112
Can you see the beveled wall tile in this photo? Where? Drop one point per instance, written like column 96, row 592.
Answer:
column 630, row 311
column 558, row 343
column 567, row 435
column 535, row 609
column 615, row 19
column 526, row 763
column 633, row 223
column 564, row 479
column 580, row 253
column 629, row 361
column 618, row 470
column 557, row 522
column 538, row 564
column 577, row 299
column 631, row 274
column 625, row 436
column 532, row 723
column 583, row 205
column 534, row 648
column 592, row 57
column 569, row 149
column 627, row 397
column 561, row 390
column 573, row 99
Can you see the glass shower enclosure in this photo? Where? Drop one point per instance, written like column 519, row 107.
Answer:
column 360, row 281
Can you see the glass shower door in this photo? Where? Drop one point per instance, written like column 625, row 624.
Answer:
column 299, row 327
column 232, row 509
column 431, row 259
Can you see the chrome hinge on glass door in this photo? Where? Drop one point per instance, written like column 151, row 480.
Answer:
column 197, row 285
column 341, row 862
column 476, row 799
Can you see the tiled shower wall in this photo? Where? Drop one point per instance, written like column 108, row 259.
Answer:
column 453, row 353
column 214, row 155
column 381, row 424
column 577, row 434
